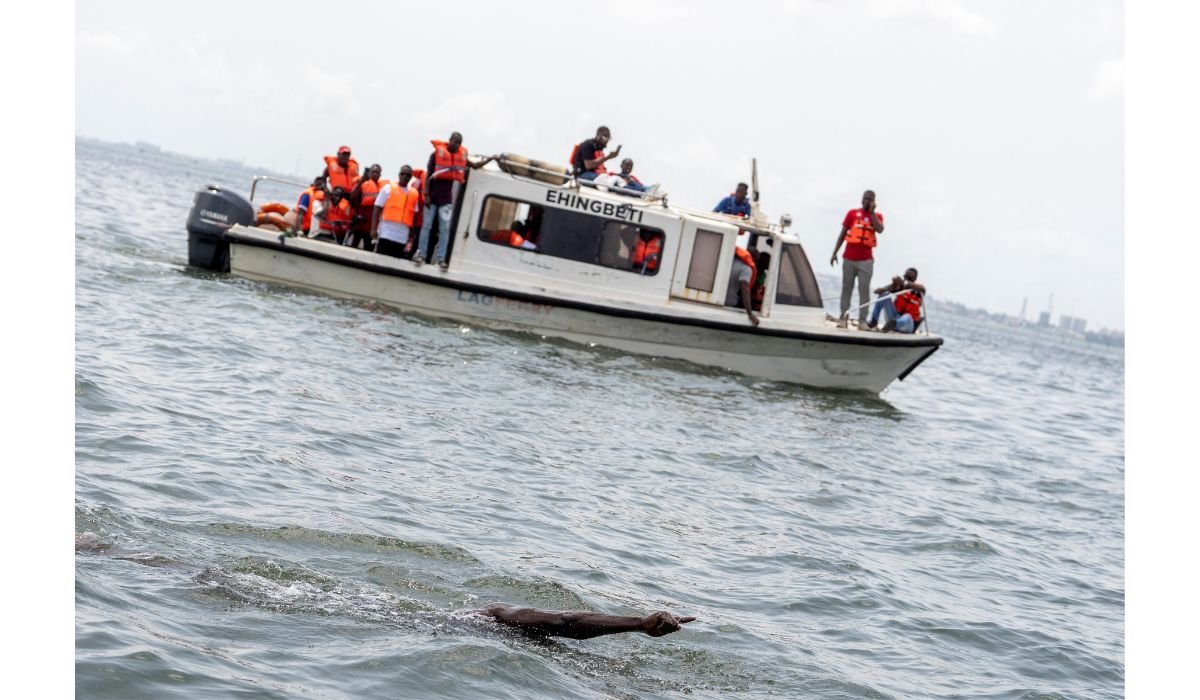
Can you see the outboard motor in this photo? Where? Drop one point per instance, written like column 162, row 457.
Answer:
column 214, row 210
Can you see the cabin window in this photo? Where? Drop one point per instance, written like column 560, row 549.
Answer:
column 797, row 285
column 569, row 234
column 706, row 252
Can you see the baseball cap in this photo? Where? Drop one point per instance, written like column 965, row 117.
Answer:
column 343, row 149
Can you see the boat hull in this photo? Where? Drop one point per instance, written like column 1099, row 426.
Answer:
column 832, row 360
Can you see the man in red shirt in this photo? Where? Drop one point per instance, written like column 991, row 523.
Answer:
column 859, row 229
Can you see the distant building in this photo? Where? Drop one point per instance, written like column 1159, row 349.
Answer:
column 1079, row 325
column 1044, row 318
column 1065, row 321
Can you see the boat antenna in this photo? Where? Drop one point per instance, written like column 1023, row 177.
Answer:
column 756, row 214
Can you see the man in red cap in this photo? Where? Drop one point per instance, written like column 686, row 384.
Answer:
column 341, row 170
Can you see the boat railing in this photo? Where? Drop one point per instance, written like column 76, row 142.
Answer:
column 654, row 197
column 747, row 225
column 924, row 311
column 270, row 178
column 574, row 182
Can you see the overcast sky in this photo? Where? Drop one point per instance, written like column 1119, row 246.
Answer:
column 992, row 131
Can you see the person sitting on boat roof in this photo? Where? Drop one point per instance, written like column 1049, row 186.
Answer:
column 392, row 217
column 736, row 203
column 447, row 169
column 742, row 274
column 335, row 217
column 646, row 252
column 362, row 198
column 341, row 170
column 588, row 159
column 903, row 311
column 305, row 205
column 631, row 180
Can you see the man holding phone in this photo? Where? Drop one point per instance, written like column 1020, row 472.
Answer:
column 588, row 159
column 859, row 229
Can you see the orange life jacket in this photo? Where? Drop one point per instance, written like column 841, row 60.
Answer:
column 336, row 217
column 863, row 231
column 447, row 165
column 647, row 252
column 507, row 237
column 908, row 303
column 599, row 169
column 744, row 255
column 401, row 205
column 368, row 191
column 314, row 195
column 346, row 178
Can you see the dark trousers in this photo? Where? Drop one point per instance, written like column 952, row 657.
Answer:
column 359, row 236
column 392, row 248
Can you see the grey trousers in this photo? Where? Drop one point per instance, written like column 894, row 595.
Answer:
column 862, row 269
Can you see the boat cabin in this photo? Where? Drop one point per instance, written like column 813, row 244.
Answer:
column 541, row 229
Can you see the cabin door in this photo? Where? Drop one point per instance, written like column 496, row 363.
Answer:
column 702, row 266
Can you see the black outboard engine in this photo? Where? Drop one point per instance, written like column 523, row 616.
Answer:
column 213, row 212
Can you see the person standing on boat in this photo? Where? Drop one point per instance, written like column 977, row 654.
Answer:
column 305, row 205
column 903, row 311
column 588, row 159
column 736, row 204
column 362, row 198
column 741, row 275
column 340, row 171
column 393, row 212
column 447, row 171
column 859, row 229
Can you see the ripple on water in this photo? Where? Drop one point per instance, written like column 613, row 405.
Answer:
column 282, row 494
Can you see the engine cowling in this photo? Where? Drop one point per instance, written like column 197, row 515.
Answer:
column 214, row 211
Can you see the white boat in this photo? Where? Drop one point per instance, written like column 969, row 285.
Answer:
column 579, row 284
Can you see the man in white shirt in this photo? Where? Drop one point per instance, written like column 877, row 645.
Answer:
column 392, row 218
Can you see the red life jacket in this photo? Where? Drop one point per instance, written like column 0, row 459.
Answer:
column 599, row 169
column 863, row 231
column 507, row 237
column 447, row 165
column 908, row 303
column 338, row 176
column 647, row 252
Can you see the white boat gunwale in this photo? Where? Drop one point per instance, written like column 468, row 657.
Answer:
column 338, row 255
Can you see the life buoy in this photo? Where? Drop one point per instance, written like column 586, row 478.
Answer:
column 274, row 208
column 270, row 218
column 524, row 167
